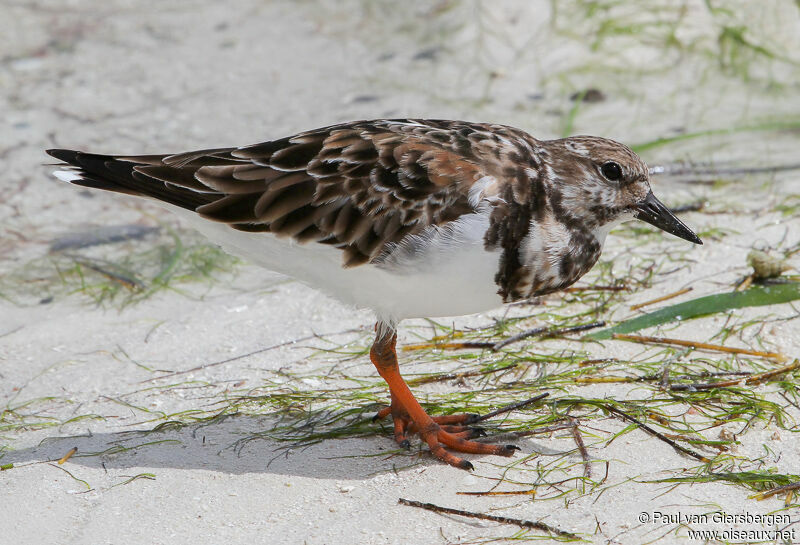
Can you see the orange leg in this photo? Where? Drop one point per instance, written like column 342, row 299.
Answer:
column 409, row 416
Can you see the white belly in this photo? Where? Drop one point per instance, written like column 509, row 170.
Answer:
column 447, row 273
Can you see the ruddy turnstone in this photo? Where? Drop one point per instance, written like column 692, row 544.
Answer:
column 409, row 218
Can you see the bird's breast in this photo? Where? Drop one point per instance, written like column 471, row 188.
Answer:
column 552, row 256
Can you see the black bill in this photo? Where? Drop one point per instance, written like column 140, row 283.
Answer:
column 655, row 213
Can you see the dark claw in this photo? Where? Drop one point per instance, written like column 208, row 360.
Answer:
column 405, row 443
column 512, row 448
column 478, row 432
column 375, row 418
column 466, row 465
column 471, row 417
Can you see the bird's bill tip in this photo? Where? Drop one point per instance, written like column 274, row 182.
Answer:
column 657, row 214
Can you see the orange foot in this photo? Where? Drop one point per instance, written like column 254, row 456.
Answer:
column 409, row 416
column 451, row 431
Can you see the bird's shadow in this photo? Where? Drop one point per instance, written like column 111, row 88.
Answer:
column 235, row 444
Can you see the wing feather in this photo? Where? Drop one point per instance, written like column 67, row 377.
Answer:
column 360, row 186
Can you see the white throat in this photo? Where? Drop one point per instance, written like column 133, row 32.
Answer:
column 600, row 233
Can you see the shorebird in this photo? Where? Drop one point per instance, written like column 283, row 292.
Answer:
column 409, row 218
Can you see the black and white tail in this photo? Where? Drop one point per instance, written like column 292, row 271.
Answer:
column 143, row 176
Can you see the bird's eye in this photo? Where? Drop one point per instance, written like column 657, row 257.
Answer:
column 611, row 170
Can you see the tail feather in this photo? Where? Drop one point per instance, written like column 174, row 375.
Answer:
column 122, row 174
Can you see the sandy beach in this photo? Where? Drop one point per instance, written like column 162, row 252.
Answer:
column 211, row 401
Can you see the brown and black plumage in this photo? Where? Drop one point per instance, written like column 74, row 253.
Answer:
column 410, row 218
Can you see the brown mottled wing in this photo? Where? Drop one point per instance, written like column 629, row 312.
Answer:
column 357, row 186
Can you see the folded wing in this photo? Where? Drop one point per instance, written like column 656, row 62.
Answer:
column 358, row 186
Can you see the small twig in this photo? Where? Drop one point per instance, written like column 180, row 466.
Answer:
column 518, row 337
column 531, row 492
column 789, row 488
column 519, row 434
column 455, row 376
column 658, row 418
column 608, row 380
column 656, row 434
column 509, row 408
column 700, row 345
column 720, row 374
column 536, row 525
column 544, row 332
column 447, row 346
column 675, row 170
column 127, row 282
column 719, row 445
column 745, row 283
column 752, row 379
column 576, row 434
column 663, row 378
column 68, row 455
column 660, row 299
column 664, row 381
column 605, row 477
column 595, row 361
column 573, row 289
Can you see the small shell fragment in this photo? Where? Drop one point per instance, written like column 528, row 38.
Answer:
column 766, row 266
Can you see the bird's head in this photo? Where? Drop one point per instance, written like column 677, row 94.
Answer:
column 600, row 183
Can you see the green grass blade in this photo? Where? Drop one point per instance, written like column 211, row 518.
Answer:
column 755, row 480
column 754, row 297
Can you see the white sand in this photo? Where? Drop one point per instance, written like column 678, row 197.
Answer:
column 159, row 76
